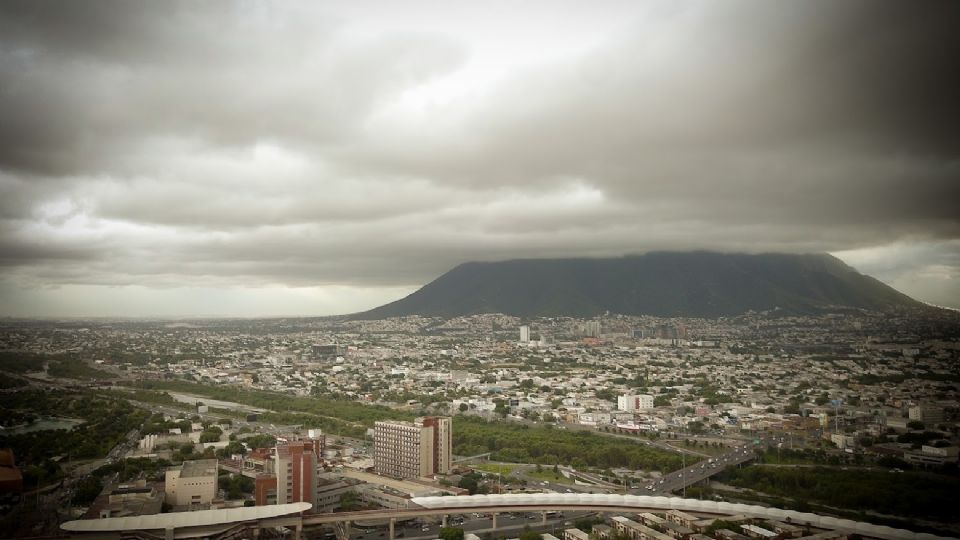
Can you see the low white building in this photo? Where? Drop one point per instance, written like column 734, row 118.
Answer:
column 192, row 483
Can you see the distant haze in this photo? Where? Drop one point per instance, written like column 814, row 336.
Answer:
column 311, row 158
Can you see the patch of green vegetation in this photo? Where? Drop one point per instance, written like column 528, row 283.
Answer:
column 7, row 382
column 549, row 446
column 75, row 369
column 107, row 421
column 283, row 403
column 495, row 468
column 21, row 362
column 131, row 468
column 909, row 494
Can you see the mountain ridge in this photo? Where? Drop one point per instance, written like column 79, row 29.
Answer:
column 662, row 283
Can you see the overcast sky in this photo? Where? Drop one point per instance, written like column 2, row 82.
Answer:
column 283, row 158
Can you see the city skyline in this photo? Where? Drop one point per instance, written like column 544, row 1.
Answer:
column 258, row 159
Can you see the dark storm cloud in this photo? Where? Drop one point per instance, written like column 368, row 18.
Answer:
column 180, row 143
column 89, row 83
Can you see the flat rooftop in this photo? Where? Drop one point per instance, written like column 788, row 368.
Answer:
column 199, row 467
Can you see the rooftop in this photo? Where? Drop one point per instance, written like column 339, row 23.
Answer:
column 199, row 467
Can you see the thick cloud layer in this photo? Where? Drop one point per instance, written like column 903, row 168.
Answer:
column 147, row 149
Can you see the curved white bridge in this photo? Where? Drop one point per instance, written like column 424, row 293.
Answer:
column 235, row 523
column 635, row 503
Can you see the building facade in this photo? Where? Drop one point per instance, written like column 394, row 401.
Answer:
column 413, row 449
column 193, row 483
column 633, row 403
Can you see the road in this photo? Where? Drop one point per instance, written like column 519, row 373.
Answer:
column 677, row 480
column 417, row 530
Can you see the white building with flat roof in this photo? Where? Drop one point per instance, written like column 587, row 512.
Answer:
column 192, row 483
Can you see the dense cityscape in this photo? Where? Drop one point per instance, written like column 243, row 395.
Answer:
column 765, row 408
column 499, row 270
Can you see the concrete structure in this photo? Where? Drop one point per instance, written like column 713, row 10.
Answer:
column 932, row 456
column 295, row 467
column 412, row 450
column 632, row 403
column 402, row 449
column 442, row 442
column 202, row 523
column 328, row 351
column 290, row 472
column 195, row 524
column 129, row 499
column 524, row 334
column 193, row 483
column 635, row 531
column 926, row 414
column 592, row 329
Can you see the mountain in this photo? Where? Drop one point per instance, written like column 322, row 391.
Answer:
column 666, row 284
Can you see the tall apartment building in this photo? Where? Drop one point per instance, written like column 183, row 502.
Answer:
column 291, row 474
column 524, row 334
column 413, row 449
column 296, row 470
column 592, row 329
column 442, row 442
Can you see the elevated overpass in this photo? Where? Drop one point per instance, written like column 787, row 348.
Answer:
column 701, row 470
column 246, row 523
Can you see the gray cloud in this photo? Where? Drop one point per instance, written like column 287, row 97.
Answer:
column 217, row 145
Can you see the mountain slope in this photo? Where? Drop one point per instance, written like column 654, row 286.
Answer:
column 696, row 284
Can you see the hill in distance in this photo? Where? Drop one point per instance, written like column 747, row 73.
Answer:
column 664, row 284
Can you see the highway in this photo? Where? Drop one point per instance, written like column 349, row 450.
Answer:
column 471, row 522
column 677, row 480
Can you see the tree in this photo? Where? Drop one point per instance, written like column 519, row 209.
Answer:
column 450, row 533
column 349, row 501
column 464, row 407
column 915, row 425
column 87, row 490
column 468, row 483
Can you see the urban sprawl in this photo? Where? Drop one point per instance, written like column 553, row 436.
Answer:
column 366, row 416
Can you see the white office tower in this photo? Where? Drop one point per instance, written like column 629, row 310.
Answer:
column 524, row 334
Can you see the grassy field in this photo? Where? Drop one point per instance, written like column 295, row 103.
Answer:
column 501, row 468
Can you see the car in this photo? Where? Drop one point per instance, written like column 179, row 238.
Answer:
column 425, row 528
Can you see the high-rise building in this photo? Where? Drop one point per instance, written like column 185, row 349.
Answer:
column 524, row 334
column 296, row 471
column 592, row 329
column 413, row 449
column 291, row 474
column 442, row 442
